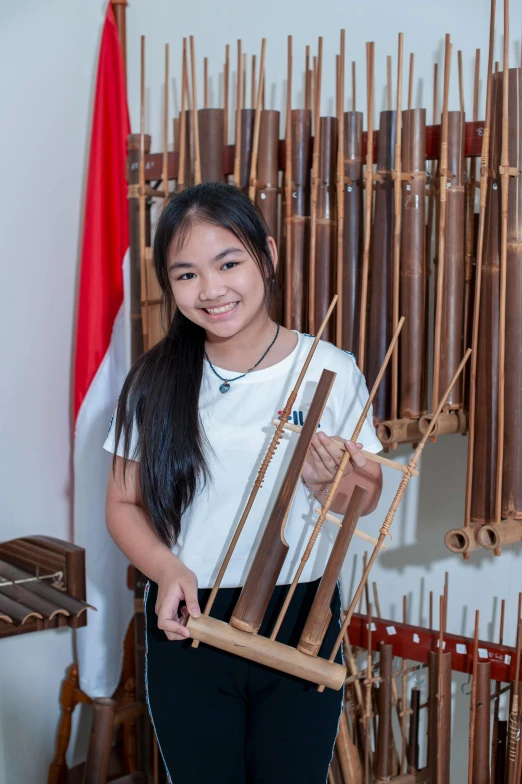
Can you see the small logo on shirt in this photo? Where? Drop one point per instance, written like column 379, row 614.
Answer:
column 110, row 426
column 296, row 418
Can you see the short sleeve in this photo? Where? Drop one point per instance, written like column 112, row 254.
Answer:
column 353, row 402
column 110, row 441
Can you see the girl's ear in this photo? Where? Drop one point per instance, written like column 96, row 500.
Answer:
column 273, row 251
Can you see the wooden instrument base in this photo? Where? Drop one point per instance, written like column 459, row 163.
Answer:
column 268, row 652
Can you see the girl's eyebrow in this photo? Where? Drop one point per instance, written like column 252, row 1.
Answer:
column 190, row 265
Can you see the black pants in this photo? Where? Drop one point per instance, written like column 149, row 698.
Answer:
column 220, row 719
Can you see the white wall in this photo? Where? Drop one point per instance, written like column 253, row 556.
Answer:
column 48, row 58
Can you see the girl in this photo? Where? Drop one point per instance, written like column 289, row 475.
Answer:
column 192, row 426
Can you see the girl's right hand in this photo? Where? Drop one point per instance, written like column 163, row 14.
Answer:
column 175, row 584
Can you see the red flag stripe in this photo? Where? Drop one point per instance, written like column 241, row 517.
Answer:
column 106, row 224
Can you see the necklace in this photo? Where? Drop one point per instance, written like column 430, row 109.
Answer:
column 225, row 386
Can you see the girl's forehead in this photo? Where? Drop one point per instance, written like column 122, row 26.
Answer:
column 202, row 240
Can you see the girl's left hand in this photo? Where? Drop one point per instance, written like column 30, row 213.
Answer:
column 324, row 457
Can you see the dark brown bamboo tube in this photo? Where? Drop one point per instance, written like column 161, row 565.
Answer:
column 289, row 269
column 473, row 702
column 268, row 171
column 247, row 118
column 482, row 725
column 447, row 424
column 483, row 481
column 492, row 536
column 237, row 152
column 413, row 736
column 318, row 65
column 165, row 165
column 316, row 624
column 212, row 141
column 496, row 709
column 340, row 194
column 397, row 226
column 300, row 221
column 368, row 211
column 133, row 157
column 413, row 279
column 380, row 327
column 226, row 81
column 500, row 752
column 512, row 462
column 324, row 267
column 385, row 736
column 440, row 750
column 308, row 81
column 353, row 235
column 451, row 347
column 272, row 550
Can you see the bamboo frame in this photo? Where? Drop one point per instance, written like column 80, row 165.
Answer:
column 368, row 174
column 315, row 185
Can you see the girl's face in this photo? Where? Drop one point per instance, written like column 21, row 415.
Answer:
column 214, row 280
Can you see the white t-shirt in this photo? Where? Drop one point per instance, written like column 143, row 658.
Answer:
column 238, row 425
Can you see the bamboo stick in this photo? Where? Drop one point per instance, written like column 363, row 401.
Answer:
column 442, row 224
column 205, row 82
column 368, row 697
column 288, row 192
column 473, row 702
column 165, row 166
column 403, row 710
column 397, row 192
column 315, row 185
column 484, row 176
column 410, row 84
column 226, row 79
column 354, row 87
column 514, row 717
column 383, row 533
column 257, row 125
column 237, row 156
column 195, row 121
column 496, row 697
column 340, row 192
column 253, row 83
column 461, row 80
column 440, row 690
column 389, row 81
column 308, row 81
column 142, row 204
column 368, row 174
column 335, row 484
column 183, row 120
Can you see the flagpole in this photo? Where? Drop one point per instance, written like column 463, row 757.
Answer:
column 120, row 12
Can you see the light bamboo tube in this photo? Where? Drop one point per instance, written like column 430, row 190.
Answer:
column 257, row 125
column 142, row 204
column 288, row 192
column 473, row 701
column 484, row 176
column 183, row 120
column 403, row 710
column 276, row 438
column 226, row 79
column 195, row 121
column 205, row 82
column 461, row 540
column 315, row 186
column 504, row 181
column 442, row 224
column 308, row 80
column 392, row 511
column 340, row 191
column 397, row 193
column 335, row 484
column 389, row 82
column 244, row 80
column 368, row 174
column 461, row 81
column 165, row 162
column 354, row 87
column 237, row 154
column 410, row 82
column 253, row 81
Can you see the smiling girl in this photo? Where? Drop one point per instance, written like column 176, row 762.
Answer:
column 192, row 426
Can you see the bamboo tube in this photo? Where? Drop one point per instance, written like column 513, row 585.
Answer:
column 244, row 79
column 308, row 81
column 461, row 80
column 333, row 487
column 226, row 79
column 432, row 192
column 391, row 513
column 368, row 174
column 205, row 82
column 504, row 180
column 315, row 185
column 447, row 424
column 389, row 81
column 340, row 194
column 482, row 724
column 264, row 466
column 237, row 155
column 143, row 206
column 410, row 82
column 439, row 719
column 402, row 715
column 183, row 122
column 484, row 179
column 413, row 737
column 300, row 222
column 442, row 224
column 514, row 716
column 253, row 82
column 348, row 755
column 493, row 536
column 255, row 144
column 496, row 709
column 473, row 699
column 165, row 163
column 368, row 698
column 354, row 87
column 385, row 735
column 289, row 271
column 195, row 123
column 399, row 431
column 461, row 540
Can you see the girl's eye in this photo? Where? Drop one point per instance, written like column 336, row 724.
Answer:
column 230, row 264
column 184, row 277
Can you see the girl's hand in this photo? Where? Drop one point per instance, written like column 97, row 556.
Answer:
column 324, row 457
column 176, row 583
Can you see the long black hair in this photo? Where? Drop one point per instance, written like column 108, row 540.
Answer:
column 161, row 392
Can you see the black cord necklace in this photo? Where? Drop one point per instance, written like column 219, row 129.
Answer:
column 225, row 386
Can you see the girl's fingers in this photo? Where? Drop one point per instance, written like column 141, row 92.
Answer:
column 329, row 452
column 173, row 628
column 357, row 458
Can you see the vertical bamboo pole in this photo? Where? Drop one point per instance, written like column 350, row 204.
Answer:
column 484, row 176
column 354, row 87
column 205, row 82
column 253, row 81
column 257, row 123
column 142, row 201
column 403, row 693
column 461, row 80
column 315, row 185
column 473, row 701
column 410, row 84
column 397, row 192
column 308, row 81
column 368, row 174
column 237, row 155
column 183, row 120
column 389, row 81
column 195, row 120
column 165, row 166
column 244, row 80
column 340, row 192
column 514, row 717
column 440, row 690
column 226, row 79
column 368, row 699
column 442, row 225
column 288, row 191
column 496, row 709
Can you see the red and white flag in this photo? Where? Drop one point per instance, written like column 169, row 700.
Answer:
column 101, row 364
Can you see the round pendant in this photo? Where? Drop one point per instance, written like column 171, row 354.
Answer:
column 224, row 387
